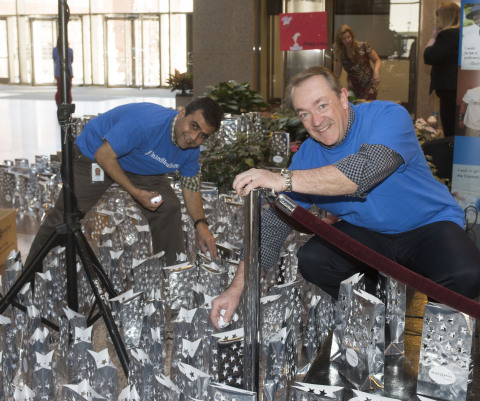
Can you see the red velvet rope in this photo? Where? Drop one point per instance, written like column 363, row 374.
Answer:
column 383, row 264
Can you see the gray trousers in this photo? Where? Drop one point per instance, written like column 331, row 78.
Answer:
column 165, row 222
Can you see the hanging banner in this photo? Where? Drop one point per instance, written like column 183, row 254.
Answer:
column 303, row 31
column 470, row 39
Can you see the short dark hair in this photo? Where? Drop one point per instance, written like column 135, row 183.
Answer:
column 211, row 110
column 333, row 82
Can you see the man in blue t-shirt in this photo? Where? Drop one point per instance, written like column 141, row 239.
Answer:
column 362, row 164
column 136, row 145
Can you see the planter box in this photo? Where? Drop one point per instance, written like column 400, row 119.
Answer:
column 182, row 101
column 8, row 235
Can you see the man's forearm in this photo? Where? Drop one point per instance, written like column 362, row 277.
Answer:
column 194, row 204
column 327, row 181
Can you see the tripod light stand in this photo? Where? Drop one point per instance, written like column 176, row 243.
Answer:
column 76, row 243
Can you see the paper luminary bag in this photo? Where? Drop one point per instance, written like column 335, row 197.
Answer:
column 103, row 374
column 141, row 374
column 178, row 285
column 361, row 396
column 182, row 327
column 125, row 308
column 222, row 392
column 315, row 392
column 166, row 390
column 281, row 365
column 80, row 392
column 234, row 340
column 446, row 354
column 193, row 382
column 44, row 382
column 359, row 355
column 78, row 355
column 393, row 294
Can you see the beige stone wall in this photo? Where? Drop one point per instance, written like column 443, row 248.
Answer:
column 223, row 42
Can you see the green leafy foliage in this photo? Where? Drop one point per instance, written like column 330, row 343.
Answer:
column 284, row 119
column 180, row 81
column 223, row 160
column 236, row 98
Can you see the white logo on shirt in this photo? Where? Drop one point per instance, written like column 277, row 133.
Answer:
column 162, row 160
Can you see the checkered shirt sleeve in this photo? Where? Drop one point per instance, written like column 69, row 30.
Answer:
column 273, row 233
column 369, row 166
column 191, row 183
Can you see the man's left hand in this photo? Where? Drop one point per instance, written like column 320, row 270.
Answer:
column 206, row 240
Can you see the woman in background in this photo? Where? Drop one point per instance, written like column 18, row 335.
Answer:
column 355, row 57
column 442, row 54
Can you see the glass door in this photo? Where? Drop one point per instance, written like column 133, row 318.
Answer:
column 43, row 39
column 4, row 75
column 148, row 53
column 120, row 66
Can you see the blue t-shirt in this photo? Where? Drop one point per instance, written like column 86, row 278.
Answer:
column 410, row 198
column 140, row 135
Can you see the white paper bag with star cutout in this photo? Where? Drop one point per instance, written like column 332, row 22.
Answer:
column 446, row 355
column 44, row 382
column 361, row 396
column 80, row 392
column 193, row 382
column 103, row 374
column 315, row 392
column 359, row 356
column 222, row 392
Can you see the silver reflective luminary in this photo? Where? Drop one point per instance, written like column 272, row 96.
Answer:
column 446, row 365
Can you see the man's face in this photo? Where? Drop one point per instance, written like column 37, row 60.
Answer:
column 323, row 113
column 192, row 130
column 476, row 19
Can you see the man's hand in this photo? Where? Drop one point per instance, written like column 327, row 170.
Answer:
column 227, row 301
column 245, row 182
column 145, row 199
column 206, row 240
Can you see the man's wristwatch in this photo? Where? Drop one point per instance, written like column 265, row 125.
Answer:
column 287, row 176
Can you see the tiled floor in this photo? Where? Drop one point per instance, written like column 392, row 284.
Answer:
column 29, row 127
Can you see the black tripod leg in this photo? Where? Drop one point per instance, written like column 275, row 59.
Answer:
column 102, row 275
column 28, row 272
column 83, row 252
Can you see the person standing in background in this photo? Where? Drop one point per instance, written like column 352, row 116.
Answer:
column 441, row 53
column 469, row 112
column 355, row 57
column 56, row 60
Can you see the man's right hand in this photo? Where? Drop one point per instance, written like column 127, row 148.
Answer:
column 227, row 301
column 145, row 199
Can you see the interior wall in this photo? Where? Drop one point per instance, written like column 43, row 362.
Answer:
column 223, row 42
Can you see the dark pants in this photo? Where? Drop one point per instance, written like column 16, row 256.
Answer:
column 441, row 251
column 164, row 223
column 58, row 96
column 448, row 108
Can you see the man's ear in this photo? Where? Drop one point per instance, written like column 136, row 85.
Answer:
column 344, row 97
column 181, row 112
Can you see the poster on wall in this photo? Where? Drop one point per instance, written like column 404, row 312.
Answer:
column 303, row 31
column 466, row 178
column 466, row 154
column 470, row 48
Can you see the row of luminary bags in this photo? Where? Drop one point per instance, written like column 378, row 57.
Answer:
column 174, row 351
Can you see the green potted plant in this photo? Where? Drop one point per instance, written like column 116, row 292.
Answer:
column 236, row 98
column 181, row 81
column 223, row 160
